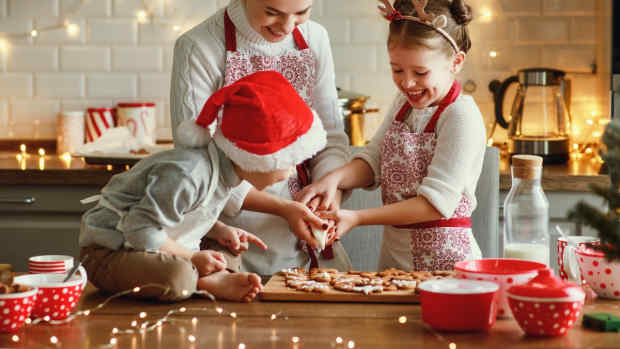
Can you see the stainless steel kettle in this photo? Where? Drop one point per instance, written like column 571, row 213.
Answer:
column 540, row 119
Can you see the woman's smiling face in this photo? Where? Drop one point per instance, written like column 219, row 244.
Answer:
column 275, row 19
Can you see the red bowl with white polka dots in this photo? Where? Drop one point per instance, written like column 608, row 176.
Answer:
column 546, row 305
column 55, row 298
column 601, row 275
column 15, row 308
column 503, row 271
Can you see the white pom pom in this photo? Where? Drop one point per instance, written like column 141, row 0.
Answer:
column 191, row 135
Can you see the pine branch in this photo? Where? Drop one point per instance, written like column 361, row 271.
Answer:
column 607, row 225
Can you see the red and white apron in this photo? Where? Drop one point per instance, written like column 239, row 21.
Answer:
column 299, row 67
column 405, row 157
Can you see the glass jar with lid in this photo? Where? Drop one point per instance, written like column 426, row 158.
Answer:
column 526, row 212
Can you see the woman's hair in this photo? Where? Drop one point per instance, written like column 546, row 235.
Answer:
column 410, row 33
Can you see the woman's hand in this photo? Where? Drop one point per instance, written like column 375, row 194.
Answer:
column 208, row 262
column 236, row 239
column 345, row 220
column 321, row 195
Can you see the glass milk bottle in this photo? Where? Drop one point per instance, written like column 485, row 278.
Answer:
column 526, row 212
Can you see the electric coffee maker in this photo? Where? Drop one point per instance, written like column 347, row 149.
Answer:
column 539, row 121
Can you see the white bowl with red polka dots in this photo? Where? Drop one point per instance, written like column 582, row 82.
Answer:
column 546, row 305
column 15, row 308
column 503, row 271
column 55, row 298
column 602, row 276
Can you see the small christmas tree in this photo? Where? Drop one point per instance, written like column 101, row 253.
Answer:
column 606, row 223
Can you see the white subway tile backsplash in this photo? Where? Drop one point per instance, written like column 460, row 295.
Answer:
column 16, row 85
column 59, row 85
column 154, row 85
column 371, row 30
column 112, row 31
column 339, row 30
column 159, row 32
column 569, row 7
column 356, row 58
column 84, row 59
column 81, row 8
column 33, row 8
column 583, row 30
column 113, row 58
column 137, row 59
column 111, row 85
column 32, row 59
column 128, row 8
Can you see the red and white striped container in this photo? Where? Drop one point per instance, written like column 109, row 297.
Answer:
column 50, row 264
column 98, row 121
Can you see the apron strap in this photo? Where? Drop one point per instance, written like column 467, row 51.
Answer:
column 461, row 222
column 231, row 35
column 452, row 95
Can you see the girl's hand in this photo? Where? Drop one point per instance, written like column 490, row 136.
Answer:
column 345, row 220
column 236, row 239
column 208, row 262
column 299, row 217
column 325, row 189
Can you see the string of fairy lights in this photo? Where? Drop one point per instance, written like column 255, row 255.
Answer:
column 66, row 22
column 141, row 326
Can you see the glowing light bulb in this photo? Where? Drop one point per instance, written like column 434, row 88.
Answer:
column 273, row 316
column 339, row 340
column 114, row 330
column 219, row 310
column 350, row 344
column 142, row 315
column 589, row 122
column 22, row 148
column 134, row 323
column 233, row 315
column 486, row 14
column 295, row 339
column 87, row 312
column 15, row 338
column 73, row 29
column 492, row 54
column 176, row 28
column 34, row 33
column 191, row 338
column 241, row 346
column 53, row 339
column 142, row 16
column 41, row 152
column 113, row 341
column 402, row 319
column 182, row 309
column 136, row 289
column 3, row 44
column 194, row 320
column 452, row 346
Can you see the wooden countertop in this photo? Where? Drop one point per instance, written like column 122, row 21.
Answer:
column 575, row 176
column 317, row 325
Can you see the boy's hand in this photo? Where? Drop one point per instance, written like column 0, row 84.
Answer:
column 236, row 239
column 299, row 217
column 325, row 190
column 208, row 262
column 345, row 220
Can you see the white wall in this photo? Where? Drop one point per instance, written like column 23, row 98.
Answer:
column 115, row 58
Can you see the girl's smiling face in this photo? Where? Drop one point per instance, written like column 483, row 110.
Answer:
column 423, row 75
column 275, row 19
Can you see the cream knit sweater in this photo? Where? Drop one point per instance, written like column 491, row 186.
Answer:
column 199, row 66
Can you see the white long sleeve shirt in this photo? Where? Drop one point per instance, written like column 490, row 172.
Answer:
column 459, row 153
column 199, row 70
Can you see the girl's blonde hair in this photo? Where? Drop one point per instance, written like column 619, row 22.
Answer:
column 410, row 33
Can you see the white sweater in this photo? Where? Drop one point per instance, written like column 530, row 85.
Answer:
column 199, row 67
column 459, row 153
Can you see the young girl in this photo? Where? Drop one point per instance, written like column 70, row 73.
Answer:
column 427, row 155
column 255, row 35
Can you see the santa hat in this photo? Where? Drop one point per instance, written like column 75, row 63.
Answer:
column 263, row 124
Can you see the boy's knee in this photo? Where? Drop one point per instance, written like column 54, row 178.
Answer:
column 181, row 278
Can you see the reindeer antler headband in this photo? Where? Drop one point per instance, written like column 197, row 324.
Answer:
column 436, row 23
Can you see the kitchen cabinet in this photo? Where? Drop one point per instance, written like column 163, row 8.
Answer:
column 40, row 219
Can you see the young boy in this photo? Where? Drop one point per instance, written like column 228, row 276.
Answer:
column 149, row 221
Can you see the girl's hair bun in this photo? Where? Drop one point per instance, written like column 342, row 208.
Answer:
column 461, row 12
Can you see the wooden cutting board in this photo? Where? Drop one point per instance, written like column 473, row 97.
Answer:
column 276, row 290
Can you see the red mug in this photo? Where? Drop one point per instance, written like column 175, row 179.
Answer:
column 99, row 121
column 568, row 268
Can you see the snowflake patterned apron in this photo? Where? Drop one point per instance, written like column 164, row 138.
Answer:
column 299, row 67
column 432, row 245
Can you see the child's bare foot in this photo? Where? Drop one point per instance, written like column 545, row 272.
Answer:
column 239, row 287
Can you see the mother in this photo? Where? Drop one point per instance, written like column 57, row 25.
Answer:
column 256, row 35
